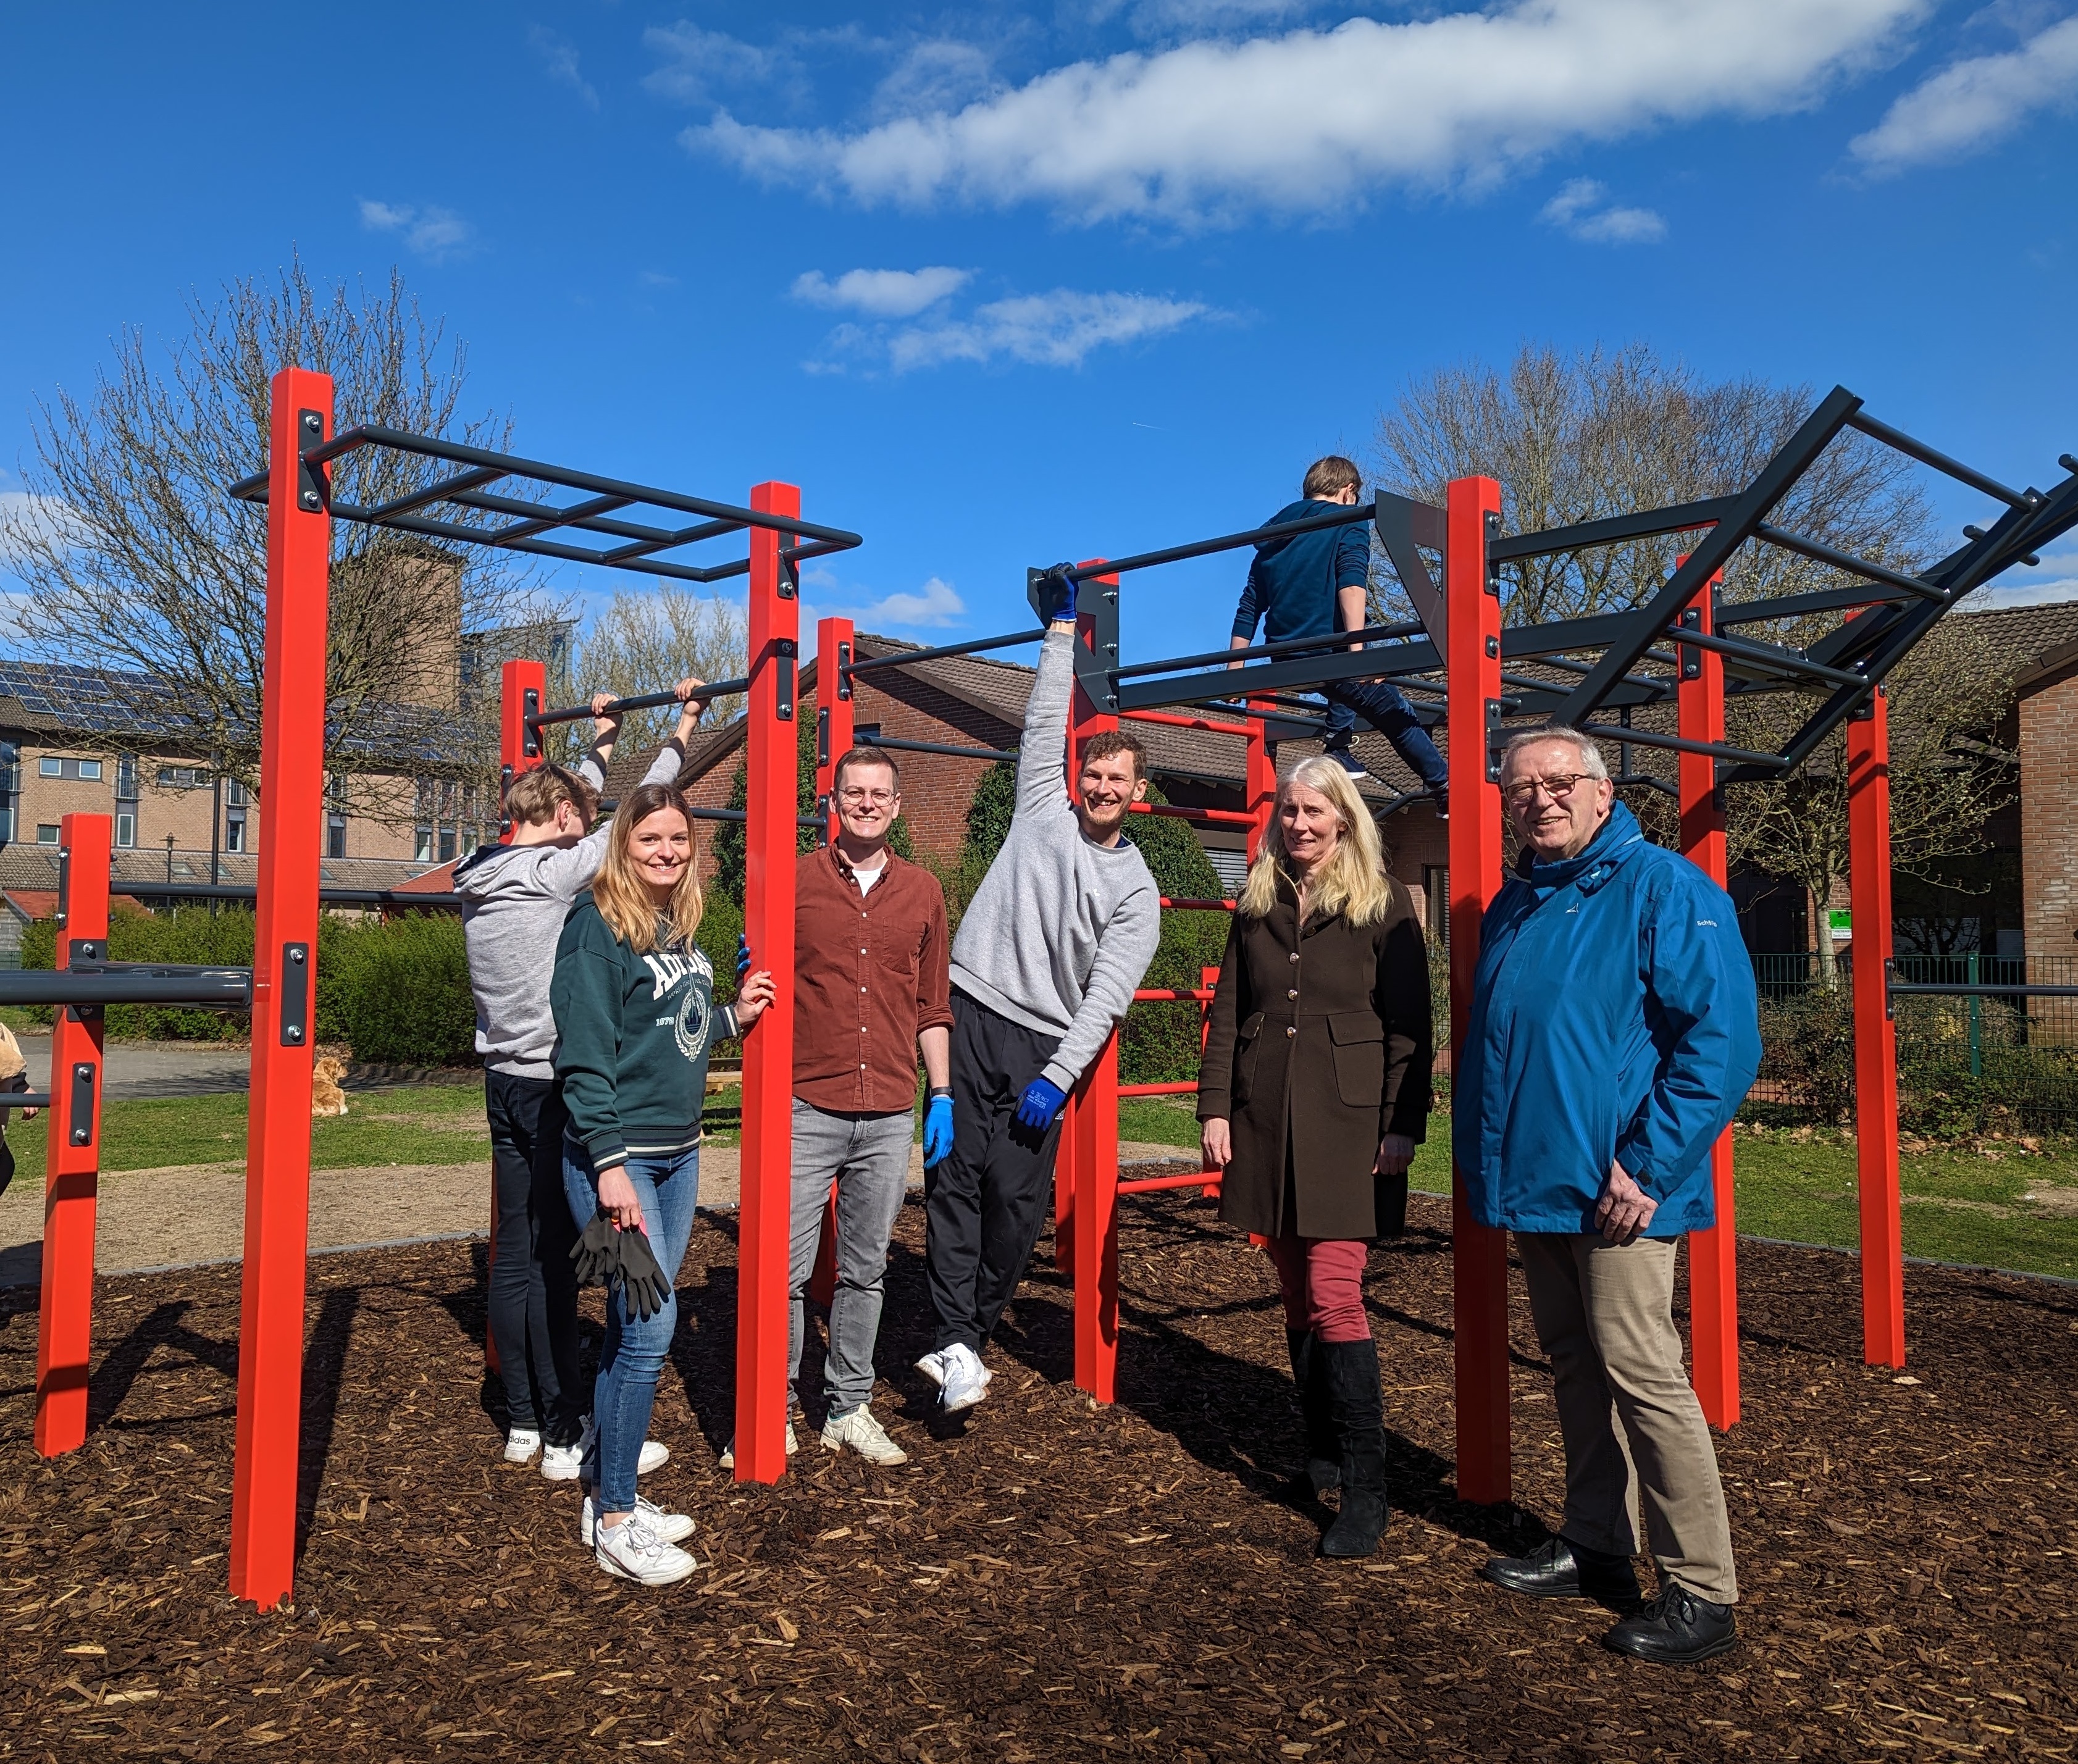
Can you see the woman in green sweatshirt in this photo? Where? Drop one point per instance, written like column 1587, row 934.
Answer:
column 635, row 1016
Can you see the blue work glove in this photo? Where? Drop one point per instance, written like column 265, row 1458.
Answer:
column 1040, row 1103
column 937, row 1130
column 742, row 955
column 1053, row 594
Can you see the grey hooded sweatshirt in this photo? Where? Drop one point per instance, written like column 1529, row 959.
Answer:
column 515, row 899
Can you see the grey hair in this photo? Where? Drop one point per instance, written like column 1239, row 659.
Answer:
column 1592, row 765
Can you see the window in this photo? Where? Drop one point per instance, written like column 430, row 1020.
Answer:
column 50, row 767
column 422, row 843
column 6, row 825
column 88, row 769
column 126, row 831
column 126, row 777
column 46, row 834
column 234, row 792
column 182, row 777
column 447, row 844
column 336, row 836
column 234, row 833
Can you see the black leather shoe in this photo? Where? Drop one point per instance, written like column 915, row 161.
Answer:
column 1676, row 1628
column 1558, row 1570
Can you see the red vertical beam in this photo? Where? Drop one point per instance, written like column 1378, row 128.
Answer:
column 522, row 685
column 1260, row 786
column 835, row 729
column 1479, row 1253
column 1713, row 1290
column 278, row 1145
column 1875, row 1035
column 1209, row 981
column 772, row 765
column 64, row 1334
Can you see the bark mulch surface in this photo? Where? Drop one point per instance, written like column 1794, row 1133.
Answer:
column 1051, row 1580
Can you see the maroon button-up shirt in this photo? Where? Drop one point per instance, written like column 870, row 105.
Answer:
column 870, row 975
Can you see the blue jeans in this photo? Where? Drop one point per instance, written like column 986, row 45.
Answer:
column 1385, row 709
column 625, row 1390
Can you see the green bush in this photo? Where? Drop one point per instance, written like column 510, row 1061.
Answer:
column 191, row 936
column 400, row 992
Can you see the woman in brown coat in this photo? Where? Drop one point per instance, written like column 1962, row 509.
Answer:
column 1313, row 1094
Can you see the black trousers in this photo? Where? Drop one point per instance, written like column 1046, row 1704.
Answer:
column 985, row 1201
column 533, row 1288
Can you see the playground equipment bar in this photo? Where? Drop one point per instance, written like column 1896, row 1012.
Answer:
column 1286, row 646
column 334, row 897
column 869, row 738
column 1148, row 1185
column 975, row 647
column 647, row 701
column 1343, row 516
column 118, row 983
column 1224, row 817
column 1176, row 720
column 1899, row 988
column 1198, row 906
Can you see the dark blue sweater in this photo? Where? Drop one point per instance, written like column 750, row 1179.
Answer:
column 1292, row 583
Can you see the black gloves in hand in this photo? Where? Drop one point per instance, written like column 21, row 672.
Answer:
column 1052, row 595
column 605, row 1252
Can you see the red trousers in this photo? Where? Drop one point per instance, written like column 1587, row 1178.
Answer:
column 1320, row 1280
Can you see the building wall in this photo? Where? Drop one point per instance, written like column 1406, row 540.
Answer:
column 2049, row 818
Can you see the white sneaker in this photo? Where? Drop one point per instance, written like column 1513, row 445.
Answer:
column 669, row 1528
column 933, row 1367
column 864, row 1436
column 632, row 1551
column 521, row 1443
column 654, row 1454
column 562, row 1463
column 728, row 1451
column 966, row 1379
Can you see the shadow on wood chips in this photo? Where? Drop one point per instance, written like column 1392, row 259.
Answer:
column 1051, row 1580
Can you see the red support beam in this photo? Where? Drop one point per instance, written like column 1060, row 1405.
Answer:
column 772, row 763
column 1479, row 1253
column 64, row 1332
column 1875, row 1035
column 1713, row 1289
column 1261, row 783
column 277, row 1145
column 835, row 731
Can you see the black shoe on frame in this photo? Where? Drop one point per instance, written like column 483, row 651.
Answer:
column 1676, row 1628
column 1558, row 1570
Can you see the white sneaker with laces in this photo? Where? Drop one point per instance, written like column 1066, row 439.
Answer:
column 632, row 1551
column 728, row 1451
column 654, row 1454
column 933, row 1367
column 966, row 1379
column 669, row 1528
column 864, row 1434
column 521, row 1443
column 562, row 1463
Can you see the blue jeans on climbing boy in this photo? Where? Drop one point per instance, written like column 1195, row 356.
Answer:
column 632, row 1358
column 1385, row 709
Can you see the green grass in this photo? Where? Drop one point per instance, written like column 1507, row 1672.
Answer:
column 1960, row 1205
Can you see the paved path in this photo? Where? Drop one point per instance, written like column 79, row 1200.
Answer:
column 148, row 1218
column 147, row 1069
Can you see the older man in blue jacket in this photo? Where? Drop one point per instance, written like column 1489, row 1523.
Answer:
column 1613, row 1034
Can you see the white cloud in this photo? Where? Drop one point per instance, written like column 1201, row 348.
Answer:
column 1582, row 209
column 27, row 520
column 1312, row 120
column 884, row 293
column 696, row 61
column 1055, row 329
column 2029, row 587
column 559, row 57
column 436, row 233
column 935, row 74
column 1968, row 106
column 936, row 602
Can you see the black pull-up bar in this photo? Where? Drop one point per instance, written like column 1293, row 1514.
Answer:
column 225, row 988
column 646, row 701
column 975, row 647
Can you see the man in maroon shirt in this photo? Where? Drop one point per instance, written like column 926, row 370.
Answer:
column 870, row 989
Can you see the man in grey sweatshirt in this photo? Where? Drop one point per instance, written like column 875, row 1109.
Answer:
column 1043, row 969
column 514, row 898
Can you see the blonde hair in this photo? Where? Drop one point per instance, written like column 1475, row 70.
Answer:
column 624, row 899
column 1352, row 882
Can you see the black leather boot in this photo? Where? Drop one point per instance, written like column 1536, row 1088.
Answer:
column 1360, row 1422
column 1558, row 1570
column 1323, row 1451
column 1676, row 1628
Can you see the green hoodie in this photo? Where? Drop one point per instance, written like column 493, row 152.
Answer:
column 632, row 1033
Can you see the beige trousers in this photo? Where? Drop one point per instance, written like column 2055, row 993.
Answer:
column 1630, row 1421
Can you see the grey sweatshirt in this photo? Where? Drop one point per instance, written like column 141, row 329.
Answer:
column 1061, row 928
column 515, row 900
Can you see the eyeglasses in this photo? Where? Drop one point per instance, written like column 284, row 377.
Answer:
column 858, row 796
column 1558, row 788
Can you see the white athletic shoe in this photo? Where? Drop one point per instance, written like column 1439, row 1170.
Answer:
column 521, row 1443
column 864, row 1436
column 632, row 1551
column 933, row 1367
column 562, row 1463
column 966, row 1379
column 669, row 1528
column 655, row 1453
column 728, row 1451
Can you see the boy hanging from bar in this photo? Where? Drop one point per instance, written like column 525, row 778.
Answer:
column 1043, row 969
column 1314, row 583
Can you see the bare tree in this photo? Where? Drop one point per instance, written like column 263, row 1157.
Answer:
column 154, row 576
column 647, row 638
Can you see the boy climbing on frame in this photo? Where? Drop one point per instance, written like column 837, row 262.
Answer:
column 1315, row 583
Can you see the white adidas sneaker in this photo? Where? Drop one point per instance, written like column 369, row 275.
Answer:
column 632, row 1551
column 521, row 1443
column 966, row 1379
column 864, row 1436
column 669, row 1528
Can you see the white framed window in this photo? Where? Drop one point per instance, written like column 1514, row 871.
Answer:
column 46, row 833
column 423, row 844
column 126, row 831
column 50, row 767
column 336, row 836
column 89, row 769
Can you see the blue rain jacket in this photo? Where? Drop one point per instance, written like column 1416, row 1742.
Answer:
column 1614, row 1020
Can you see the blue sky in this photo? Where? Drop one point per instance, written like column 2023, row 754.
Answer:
column 1001, row 285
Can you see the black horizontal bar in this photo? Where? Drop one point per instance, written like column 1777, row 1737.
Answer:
column 332, row 897
column 700, row 814
column 1822, row 553
column 938, row 747
column 1935, row 457
column 645, row 701
column 23, row 1099
column 457, row 534
column 1265, row 676
column 1926, row 988
column 1681, row 518
column 228, row 989
column 1674, row 744
column 1299, row 718
column 475, row 479
column 1345, row 515
column 1754, row 612
column 1768, row 655
column 975, row 647
column 1284, row 646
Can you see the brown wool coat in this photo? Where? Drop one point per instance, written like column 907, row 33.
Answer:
column 1319, row 1042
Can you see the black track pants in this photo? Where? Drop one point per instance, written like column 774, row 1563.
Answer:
column 984, row 1204
column 533, row 1289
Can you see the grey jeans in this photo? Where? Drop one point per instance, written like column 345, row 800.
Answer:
column 868, row 1157
column 1630, row 1419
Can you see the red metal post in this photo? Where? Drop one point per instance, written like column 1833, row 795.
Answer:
column 1713, row 1289
column 834, row 730
column 1875, row 1035
column 1479, row 1256
column 522, row 688
column 770, row 855
column 64, row 1333
column 1261, row 784
column 277, row 1145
